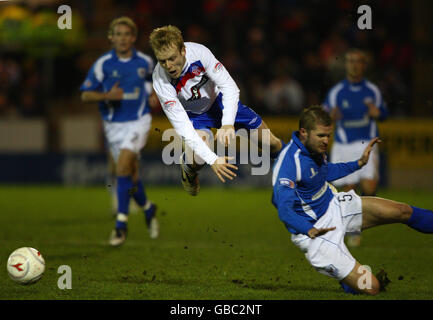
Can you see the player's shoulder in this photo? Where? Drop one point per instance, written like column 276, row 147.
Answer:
column 337, row 87
column 103, row 58
column 371, row 86
column 196, row 49
column 160, row 77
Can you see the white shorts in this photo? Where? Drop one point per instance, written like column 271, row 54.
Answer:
column 328, row 253
column 345, row 152
column 131, row 135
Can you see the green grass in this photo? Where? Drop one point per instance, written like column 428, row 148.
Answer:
column 223, row 244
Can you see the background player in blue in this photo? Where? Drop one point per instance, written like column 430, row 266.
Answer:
column 317, row 217
column 119, row 81
column 355, row 104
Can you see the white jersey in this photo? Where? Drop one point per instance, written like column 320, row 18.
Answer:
column 202, row 79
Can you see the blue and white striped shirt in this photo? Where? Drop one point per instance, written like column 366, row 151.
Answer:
column 350, row 99
column 300, row 185
column 134, row 77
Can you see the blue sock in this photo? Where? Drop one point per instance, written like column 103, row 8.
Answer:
column 348, row 289
column 140, row 194
column 421, row 220
column 124, row 189
column 275, row 155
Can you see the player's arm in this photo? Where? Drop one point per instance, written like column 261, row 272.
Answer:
column 286, row 197
column 114, row 94
column 178, row 118
column 376, row 107
column 340, row 170
column 92, row 89
column 230, row 94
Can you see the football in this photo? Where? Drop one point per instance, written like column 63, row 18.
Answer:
column 26, row 265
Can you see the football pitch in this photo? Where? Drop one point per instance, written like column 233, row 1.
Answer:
column 226, row 243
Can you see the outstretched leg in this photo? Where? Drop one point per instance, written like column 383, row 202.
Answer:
column 190, row 166
column 275, row 144
column 361, row 280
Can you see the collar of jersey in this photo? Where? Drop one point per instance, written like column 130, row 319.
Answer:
column 300, row 145
column 134, row 54
column 348, row 83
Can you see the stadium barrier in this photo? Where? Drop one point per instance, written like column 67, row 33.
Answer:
column 406, row 152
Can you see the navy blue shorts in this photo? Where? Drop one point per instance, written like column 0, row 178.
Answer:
column 245, row 117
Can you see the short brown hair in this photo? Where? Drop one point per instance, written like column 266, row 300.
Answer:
column 122, row 20
column 357, row 51
column 166, row 36
column 312, row 116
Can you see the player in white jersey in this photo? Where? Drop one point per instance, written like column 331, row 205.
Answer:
column 197, row 93
column 119, row 82
column 356, row 104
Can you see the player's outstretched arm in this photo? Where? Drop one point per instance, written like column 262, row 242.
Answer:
column 222, row 168
column 366, row 155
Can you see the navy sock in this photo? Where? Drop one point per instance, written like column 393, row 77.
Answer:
column 348, row 289
column 124, row 189
column 275, row 155
column 140, row 194
column 421, row 220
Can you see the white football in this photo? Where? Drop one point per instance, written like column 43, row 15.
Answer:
column 26, row 265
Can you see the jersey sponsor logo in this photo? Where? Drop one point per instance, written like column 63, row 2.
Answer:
column 286, row 182
column 313, row 173
column 331, row 269
column 252, row 121
column 218, row 67
column 321, row 192
column 195, row 90
column 345, row 104
column 195, row 69
column 170, row 103
column 141, row 72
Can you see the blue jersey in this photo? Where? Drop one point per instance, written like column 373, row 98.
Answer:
column 350, row 99
column 133, row 74
column 300, row 185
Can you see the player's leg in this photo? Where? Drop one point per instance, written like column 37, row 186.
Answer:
column 378, row 211
column 353, row 239
column 125, row 187
column 361, row 280
column 369, row 174
column 190, row 164
column 368, row 187
column 147, row 206
column 111, row 182
column 275, row 144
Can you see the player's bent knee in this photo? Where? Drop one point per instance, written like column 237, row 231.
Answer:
column 375, row 287
column 404, row 211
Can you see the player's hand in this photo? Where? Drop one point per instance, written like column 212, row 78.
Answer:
column 115, row 93
column 313, row 232
column 222, row 168
column 225, row 134
column 336, row 114
column 373, row 111
column 366, row 155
